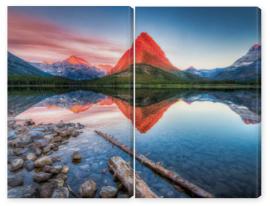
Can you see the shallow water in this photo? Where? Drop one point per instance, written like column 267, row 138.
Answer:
column 97, row 112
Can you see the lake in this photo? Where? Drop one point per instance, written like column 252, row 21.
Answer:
column 211, row 138
column 94, row 110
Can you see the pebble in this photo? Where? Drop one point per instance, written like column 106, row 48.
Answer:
column 88, row 189
column 60, row 192
column 16, row 164
column 15, row 180
column 76, row 157
column 41, row 176
column 42, row 161
column 23, row 192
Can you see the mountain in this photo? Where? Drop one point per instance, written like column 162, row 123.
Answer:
column 246, row 68
column 253, row 55
column 19, row 67
column 147, row 52
column 74, row 68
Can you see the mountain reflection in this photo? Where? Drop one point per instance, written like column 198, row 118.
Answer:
column 150, row 105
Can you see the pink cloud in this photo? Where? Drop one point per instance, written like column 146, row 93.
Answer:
column 36, row 39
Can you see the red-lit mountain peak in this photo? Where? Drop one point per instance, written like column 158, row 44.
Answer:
column 147, row 52
column 76, row 60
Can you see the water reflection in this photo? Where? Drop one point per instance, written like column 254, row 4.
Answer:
column 211, row 138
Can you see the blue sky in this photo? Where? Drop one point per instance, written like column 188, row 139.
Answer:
column 201, row 37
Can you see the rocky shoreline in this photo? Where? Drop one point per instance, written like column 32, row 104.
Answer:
column 31, row 150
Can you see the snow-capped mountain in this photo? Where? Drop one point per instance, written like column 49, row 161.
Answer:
column 246, row 68
column 253, row 54
column 74, row 68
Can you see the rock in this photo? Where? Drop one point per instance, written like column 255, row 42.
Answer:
column 20, row 151
column 88, row 189
column 42, row 161
column 75, row 133
column 41, row 176
column 23, row 192
column 60, row 192
column 57, row 139
column 11, row 135
column 29, row 165
column 47, row 189
column 20, row 141
column 37, row 151
column 48, row 148
column 31, row 156
column 15, row 180
column 61, row 176
column 108, row 192
column 76, row 157
column 36, row 134
column 65, row 133
column 16, row 164
column 49, row 137
column 53, row 169
column 58, row 181
column 41, row 142
column 65, row 169
column 29, row 122
column 123, row 195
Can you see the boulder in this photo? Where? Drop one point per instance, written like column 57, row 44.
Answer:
column 31, row 156
column 53, row 169
column 42, row 161
column 41, row 176
column 76, row 157
column 36, row 134
column 23, row 192
column 60, row 192
column 65, row 169
column 16, row 164
column 108, row 192
column 46, row 189
column 88, row 189
column 15, row 180
column 29, row 122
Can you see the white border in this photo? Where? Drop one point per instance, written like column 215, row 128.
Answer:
column 263, row 200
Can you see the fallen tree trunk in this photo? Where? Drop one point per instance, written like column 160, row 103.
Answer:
column 124, row 173
column 189, row 187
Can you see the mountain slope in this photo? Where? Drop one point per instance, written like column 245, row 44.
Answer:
column 147, row 52
column 19, row 67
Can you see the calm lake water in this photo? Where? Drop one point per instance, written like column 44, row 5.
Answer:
column 211, row 138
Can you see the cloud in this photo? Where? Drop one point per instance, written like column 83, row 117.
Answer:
column 36, row 39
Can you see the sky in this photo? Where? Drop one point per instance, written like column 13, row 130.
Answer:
column 205, row 37
column 100, row 35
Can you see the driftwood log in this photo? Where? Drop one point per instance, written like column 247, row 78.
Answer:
column 189, row 187
column 124, row 173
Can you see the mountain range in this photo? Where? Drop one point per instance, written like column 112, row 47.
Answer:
column 246, row 68
column 74, row 68
column 152, row 66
